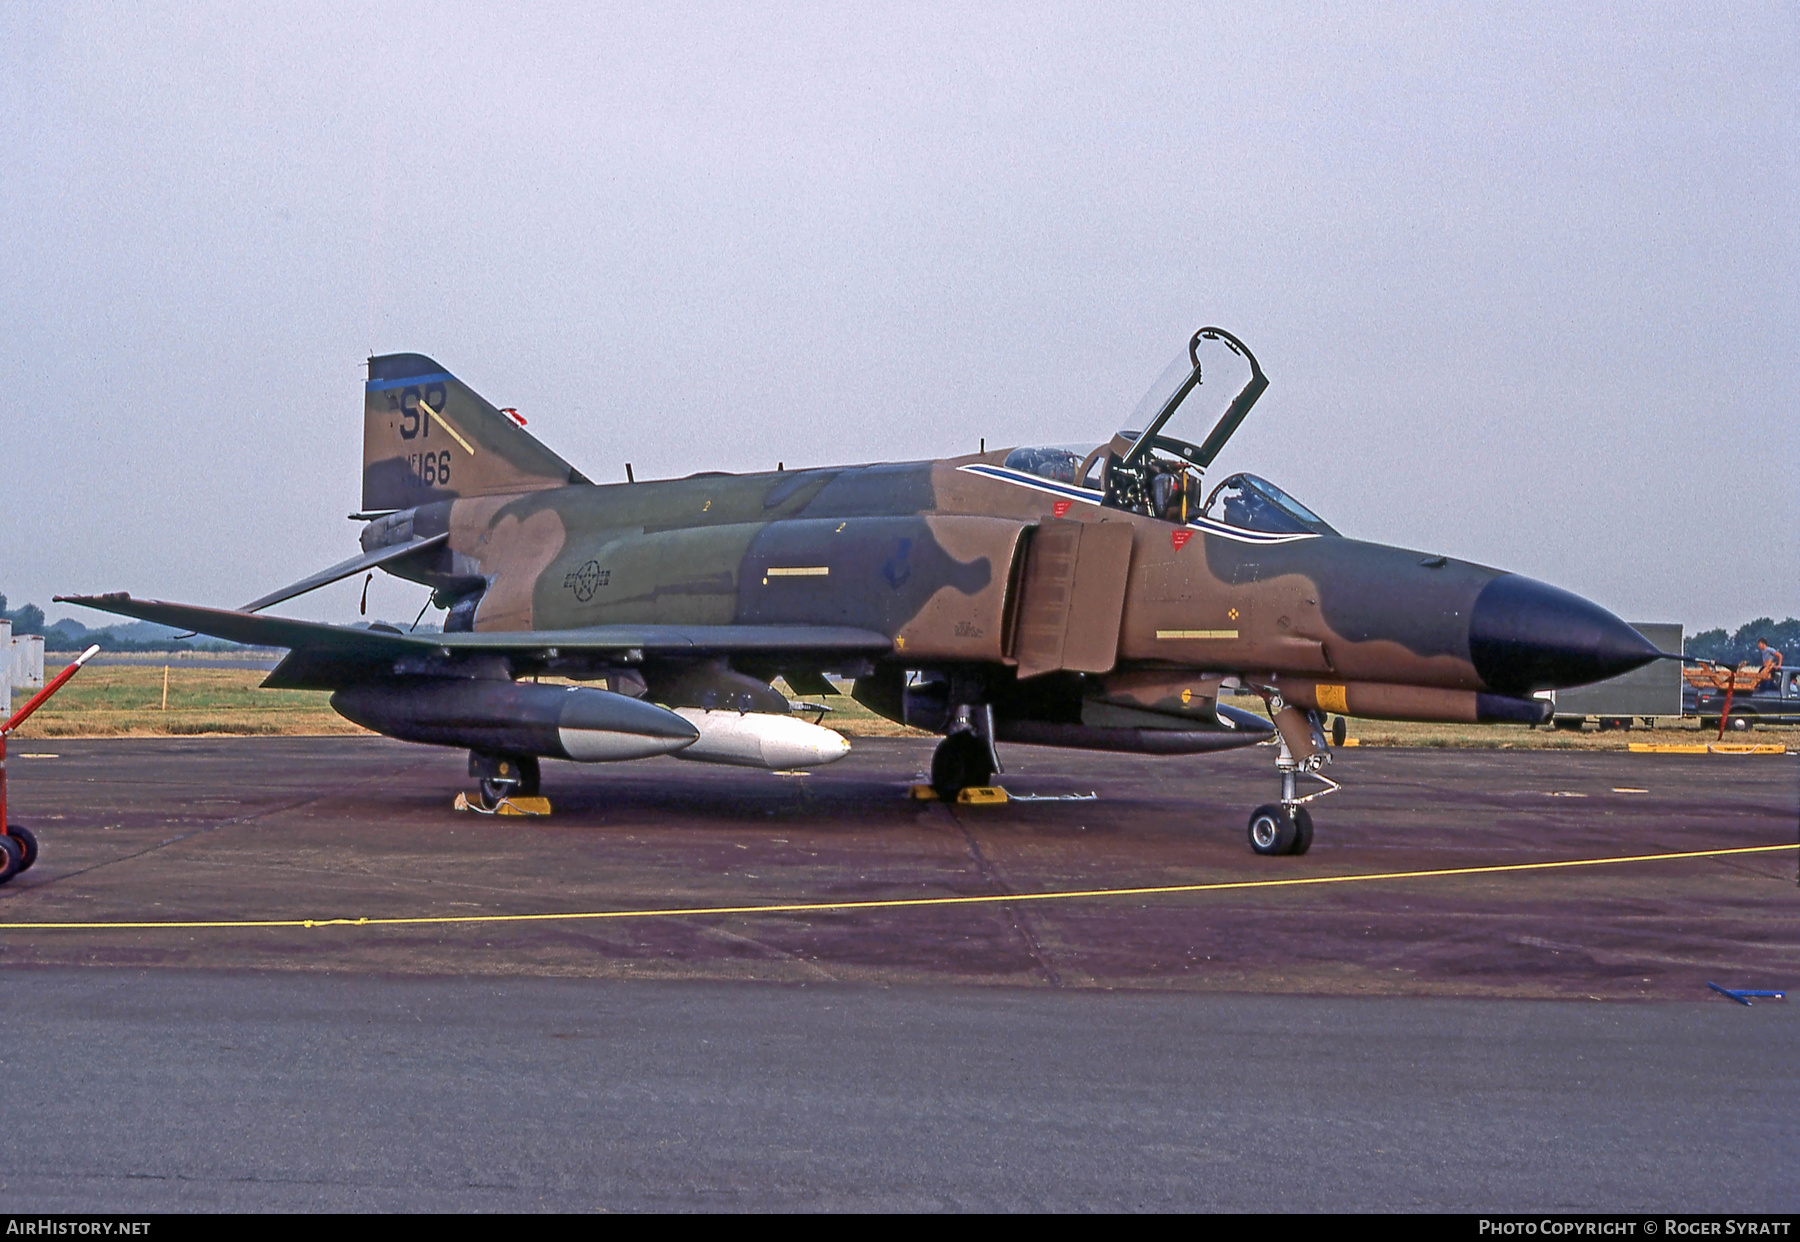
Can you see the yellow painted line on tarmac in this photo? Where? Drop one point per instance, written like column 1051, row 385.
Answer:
column 1710, row 748
column 894, row 903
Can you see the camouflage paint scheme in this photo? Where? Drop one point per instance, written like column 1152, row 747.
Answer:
column 933, row 556
column 937, row 585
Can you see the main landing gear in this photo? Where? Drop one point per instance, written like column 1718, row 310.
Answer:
column 1286, row 827
column 965, row 759
column 504, row 776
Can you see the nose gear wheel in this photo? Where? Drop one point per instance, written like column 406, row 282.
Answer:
column 1276, row 829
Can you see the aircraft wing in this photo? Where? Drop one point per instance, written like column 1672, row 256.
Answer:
column 329, row 656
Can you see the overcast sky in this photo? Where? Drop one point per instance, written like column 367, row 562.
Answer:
column 1524, row 279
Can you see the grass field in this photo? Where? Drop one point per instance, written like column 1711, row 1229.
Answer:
column 117, row 700
column 127, row 701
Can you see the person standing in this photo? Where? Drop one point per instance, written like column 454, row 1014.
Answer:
column 1769, row 658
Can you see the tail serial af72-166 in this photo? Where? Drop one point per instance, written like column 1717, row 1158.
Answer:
column 1094, row 596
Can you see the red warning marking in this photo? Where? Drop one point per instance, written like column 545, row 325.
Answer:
column 1179, row 538
column 1061, row 507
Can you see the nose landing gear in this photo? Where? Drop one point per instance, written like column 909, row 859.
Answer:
column 1276, row 829
column 1286, row 827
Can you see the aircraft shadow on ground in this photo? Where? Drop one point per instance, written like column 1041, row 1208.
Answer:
column 583, row 800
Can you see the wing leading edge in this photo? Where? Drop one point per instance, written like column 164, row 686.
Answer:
column 328, row 656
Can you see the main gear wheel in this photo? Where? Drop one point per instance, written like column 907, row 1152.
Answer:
column 961, row 761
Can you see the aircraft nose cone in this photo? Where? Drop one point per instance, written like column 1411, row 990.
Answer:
column 1526, row 635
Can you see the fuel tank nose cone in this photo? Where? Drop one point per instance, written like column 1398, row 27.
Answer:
column 1526, row 635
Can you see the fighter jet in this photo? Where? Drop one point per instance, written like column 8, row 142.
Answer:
column 1096, row 597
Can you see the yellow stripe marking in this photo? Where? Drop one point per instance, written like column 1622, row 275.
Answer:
column 894, row 903
column 1332, row 698
column 439, row 420
column 1196, row 633
column 801, row 571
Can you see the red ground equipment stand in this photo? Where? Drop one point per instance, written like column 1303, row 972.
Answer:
column 1730, row 680
column 18, row 845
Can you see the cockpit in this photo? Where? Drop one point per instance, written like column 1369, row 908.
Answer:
column 1155, row 473
column 1252, row 503
column 1056, row 464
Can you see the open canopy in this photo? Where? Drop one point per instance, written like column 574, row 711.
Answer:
column 1181, row 404
column 1176, row 431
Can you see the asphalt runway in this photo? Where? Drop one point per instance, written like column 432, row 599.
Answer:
column 1426, row 1042
column 176, row 1089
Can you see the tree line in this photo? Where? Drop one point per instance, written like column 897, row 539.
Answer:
column 70, row 635
column 1740, row 647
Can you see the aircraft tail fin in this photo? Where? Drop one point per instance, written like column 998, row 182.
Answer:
column 427, row 436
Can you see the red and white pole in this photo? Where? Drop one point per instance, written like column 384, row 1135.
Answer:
column 18, row 718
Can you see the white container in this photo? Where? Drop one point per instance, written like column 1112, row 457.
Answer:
column 759, row 740
column 6, row 682
column 28, row 662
